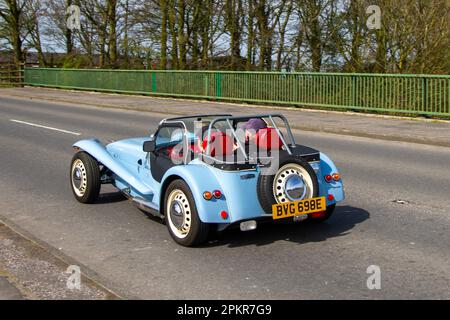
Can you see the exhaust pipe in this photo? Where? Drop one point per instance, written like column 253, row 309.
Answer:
column 248, row 225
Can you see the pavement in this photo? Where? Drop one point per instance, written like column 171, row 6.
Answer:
column 8, row 291
column 396, row 215
column 29, row 271
column 417, row 130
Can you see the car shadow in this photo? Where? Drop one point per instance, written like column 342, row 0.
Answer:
column 344, row 219
column 110, row 197
column 152, row 217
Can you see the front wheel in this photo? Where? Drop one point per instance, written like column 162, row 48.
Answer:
column 181, row 215
column 85, row 177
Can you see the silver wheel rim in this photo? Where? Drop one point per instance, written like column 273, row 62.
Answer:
column 79, row 178
column 292, row 183
column 179, row 214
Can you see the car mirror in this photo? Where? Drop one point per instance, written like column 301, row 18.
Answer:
column 149, row 146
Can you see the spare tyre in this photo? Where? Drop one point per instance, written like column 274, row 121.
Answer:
column 295, row 180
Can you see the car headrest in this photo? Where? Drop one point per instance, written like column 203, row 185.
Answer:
column 220, row 144
column 175, row 152
column 268, row 139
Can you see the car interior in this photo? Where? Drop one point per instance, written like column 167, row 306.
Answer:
column 221, row 142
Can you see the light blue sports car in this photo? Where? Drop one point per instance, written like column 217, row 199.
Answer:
column 208, row 172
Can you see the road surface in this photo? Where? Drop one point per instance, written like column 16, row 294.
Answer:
column 396, row 216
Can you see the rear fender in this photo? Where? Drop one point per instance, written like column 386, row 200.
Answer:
column 95, row 148
column 199, row 178
column 335, row 188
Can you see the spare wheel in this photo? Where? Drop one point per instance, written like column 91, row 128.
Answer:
column 295, row 180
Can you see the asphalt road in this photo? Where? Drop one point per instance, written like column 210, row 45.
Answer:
column 408, row 239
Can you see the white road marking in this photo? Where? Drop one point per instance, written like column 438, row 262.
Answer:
column 140, row 249
column 45, row 127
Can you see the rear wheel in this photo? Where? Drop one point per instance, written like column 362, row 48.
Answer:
column 181, row 215
column 85, row 177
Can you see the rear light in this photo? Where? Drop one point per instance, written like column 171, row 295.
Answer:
column 330, row 177
column 336, row 176
column 224, row 215
column 330, row 197
column 217, row 194
column 207, row 195
column 318, row 215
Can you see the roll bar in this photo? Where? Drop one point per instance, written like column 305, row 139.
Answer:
column 271, row 117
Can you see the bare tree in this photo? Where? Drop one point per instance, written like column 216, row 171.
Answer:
column 34, row 14
column 233, row 10
column 163, row 7
column 13, row 15
column 305, row 35
column 312, row 14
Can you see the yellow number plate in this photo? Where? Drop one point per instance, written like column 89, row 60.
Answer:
column 292, row 209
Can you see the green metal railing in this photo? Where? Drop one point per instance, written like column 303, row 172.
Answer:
column 392, row 93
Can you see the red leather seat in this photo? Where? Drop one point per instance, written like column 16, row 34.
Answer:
column 268, row 139
column 221, row 144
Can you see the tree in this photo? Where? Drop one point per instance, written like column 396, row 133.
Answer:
column 111, row 21
column 305, row 35
column 282, row 29
column 348, row 34
column 68, row 32
column 267, row 18
column 311, row 15
column 182, row 37
column 233, row 26
column 250, row 35
column 34, row 12
column 13, row 15
column 173, row 33
column 163, row 8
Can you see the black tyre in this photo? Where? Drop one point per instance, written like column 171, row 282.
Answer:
column 294, row 180
column 328, row 214
column 181, row 215
column 85, row 177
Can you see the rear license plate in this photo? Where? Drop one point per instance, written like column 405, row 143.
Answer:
column 292, row 209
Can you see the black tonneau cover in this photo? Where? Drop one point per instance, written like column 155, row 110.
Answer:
column 307, row 153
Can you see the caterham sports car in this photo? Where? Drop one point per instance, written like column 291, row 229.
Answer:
column 208, row 172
